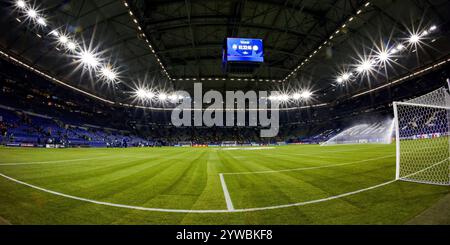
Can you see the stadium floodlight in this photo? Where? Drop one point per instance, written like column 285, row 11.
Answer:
column 284, row 97
column 108, row 74
column 400, row 47
column 346, row 76
column 366, row 65
column 41, row 21
column 63, row 39
column 21, row 4
column 71, row 46
column 162, row 96
column 339, row 80
column 149, row 95
column 88, row 58
column 306, row 94
column 296, row 96
column 383, row 56
column 54, row 33
column 141, row 93
column 414, row 38
column 32, row 13
column 433, row 28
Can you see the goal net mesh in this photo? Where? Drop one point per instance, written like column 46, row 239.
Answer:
column 422, row 135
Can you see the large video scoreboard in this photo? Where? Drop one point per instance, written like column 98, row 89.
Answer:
column 244, row 50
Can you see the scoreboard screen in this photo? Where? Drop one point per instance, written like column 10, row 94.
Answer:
column 244, row 50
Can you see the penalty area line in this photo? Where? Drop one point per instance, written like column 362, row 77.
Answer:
column 226, row 194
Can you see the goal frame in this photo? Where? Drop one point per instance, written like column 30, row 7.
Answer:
column 397, row 138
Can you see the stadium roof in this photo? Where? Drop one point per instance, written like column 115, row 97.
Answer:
column 169, row 44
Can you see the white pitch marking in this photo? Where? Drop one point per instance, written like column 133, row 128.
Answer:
column 55, row 161
column 307, row 168
column 226, row 193
column 195, row 210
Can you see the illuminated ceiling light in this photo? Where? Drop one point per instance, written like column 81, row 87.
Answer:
column 108, row 73
column 162, row 96
column 63, row 39
column 400, row 47
column 433, row 28
column 21, row 4
column 339, row 80
column 88, row 59
column 41, row 21
column 71, row 46
column 424, row 33
column 414, row 38
column 32, row 13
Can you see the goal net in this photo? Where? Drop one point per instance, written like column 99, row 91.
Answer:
column 422, row 138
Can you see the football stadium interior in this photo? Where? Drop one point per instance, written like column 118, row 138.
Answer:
column 359, row 90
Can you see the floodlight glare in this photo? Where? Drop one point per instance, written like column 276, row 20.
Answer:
column 339, row 80
column 296, row 96
column 306, row 94
column 383, row 56
column 54, row 33
column 32, row 13
column 109, row 74
column 284, row 97
column 71, row 45
column 346, row 76
column 141, row 93
column 41, row 21
column 88, row 59
column 364, row 66
column 162, row 96
column 400, row 47
column 21, row 4
column 63, row 39
column 414, row 39
column 433, row 28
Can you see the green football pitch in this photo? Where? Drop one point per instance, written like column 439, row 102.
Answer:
column 296, row 184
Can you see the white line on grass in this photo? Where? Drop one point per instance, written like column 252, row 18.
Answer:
column 54, row 161
column 226, row 193
column 194, row 210
column 307, row 168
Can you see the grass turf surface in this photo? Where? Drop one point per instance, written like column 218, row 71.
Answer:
column 188, row 178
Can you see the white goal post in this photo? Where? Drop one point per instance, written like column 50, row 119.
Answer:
column 422, row 138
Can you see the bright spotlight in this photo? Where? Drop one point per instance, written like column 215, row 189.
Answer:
column 364, row 66
column 88, row 59
column 54, row 33
column 32, row 13
column 433, row 28
column 21, row 4
column 63, row 39
column 296, row 96
column 383, row 56
column 346, row 76
column 141, row 93
column 400, row 47
column 339, row 80
column 306, row 94
column 162, row 96
column 149, row 95
column 71, row 45
column 108, row 74
column 284, row 97
column 41, row 21
column 414, row 38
